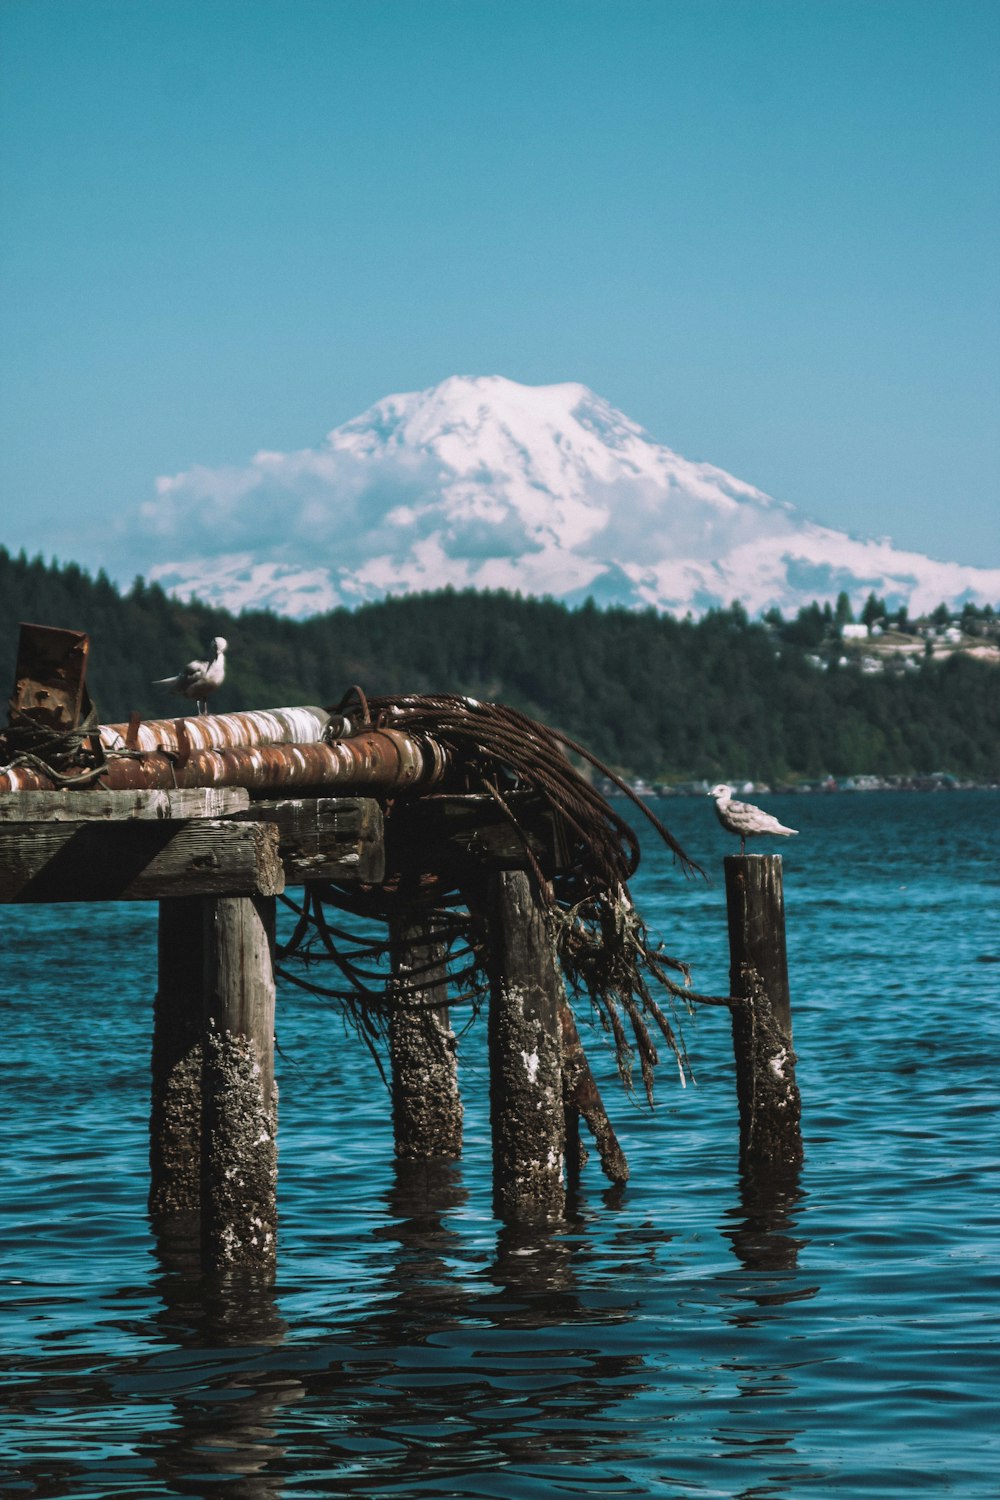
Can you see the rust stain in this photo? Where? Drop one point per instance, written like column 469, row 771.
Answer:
column 376, row 760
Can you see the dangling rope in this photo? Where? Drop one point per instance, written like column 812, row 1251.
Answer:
column 52, row 752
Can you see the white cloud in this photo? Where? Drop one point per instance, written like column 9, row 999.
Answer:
column 488, row 484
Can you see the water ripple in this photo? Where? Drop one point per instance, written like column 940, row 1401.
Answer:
column 690, row 1336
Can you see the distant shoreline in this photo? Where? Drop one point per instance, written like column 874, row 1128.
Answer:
column 936, row 781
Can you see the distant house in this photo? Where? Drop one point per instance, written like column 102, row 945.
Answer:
column 854, row 632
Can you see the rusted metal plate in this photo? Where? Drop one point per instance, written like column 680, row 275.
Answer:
column 50, row 676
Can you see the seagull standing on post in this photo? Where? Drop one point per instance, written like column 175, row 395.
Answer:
column 743, row 818
column 199, row 678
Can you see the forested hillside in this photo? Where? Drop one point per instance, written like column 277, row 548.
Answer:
column 657, row 697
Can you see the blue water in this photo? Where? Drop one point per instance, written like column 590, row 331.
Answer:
column 674, row 1339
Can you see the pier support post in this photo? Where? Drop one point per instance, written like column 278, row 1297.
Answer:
column 239, row 1126
column 175, row 1114
column 526, row 1103
column 426, row 1106
column 769, row 1102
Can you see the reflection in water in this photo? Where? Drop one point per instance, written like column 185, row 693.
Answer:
column 419, row 1361
column 761, row 1229
column 422, row 1195
column 535, row 1276
column 762, row 1238
column 462, row 1360
column 226, row 1396
column 446, row 1370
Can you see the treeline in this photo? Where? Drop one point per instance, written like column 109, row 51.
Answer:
column 662, row 698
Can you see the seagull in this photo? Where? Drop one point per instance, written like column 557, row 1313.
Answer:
column 743, row 818
column 199, row 678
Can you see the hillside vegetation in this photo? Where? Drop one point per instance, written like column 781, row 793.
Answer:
column 657, row 697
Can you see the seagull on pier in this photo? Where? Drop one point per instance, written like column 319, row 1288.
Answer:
column 743, row 818
column 199, row 678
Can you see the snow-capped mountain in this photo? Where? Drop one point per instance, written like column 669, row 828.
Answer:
column 484, row 483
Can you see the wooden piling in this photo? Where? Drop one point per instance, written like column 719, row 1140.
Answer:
column 426, row 1106
column 755, row 902
column 175, row 1114
column 526, row 1104
column 769, row 1102
column 239, row 1123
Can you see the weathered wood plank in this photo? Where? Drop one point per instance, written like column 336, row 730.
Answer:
column 100, row 805
column 326, row 838
column 137, row 860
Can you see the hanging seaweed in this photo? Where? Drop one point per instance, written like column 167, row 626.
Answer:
column 517, row 766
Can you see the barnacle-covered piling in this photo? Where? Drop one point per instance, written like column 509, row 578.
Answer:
column 426, row 1105
column 526, row 1096
column 175, row 1114
column 239, row 1151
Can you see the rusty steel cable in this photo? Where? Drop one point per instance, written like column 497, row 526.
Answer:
column 494, row 737
column 606, row 952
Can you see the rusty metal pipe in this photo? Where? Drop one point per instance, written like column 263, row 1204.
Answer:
column 271, row 726
column 384, row 760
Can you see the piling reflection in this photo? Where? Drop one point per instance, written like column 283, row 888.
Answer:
column 465, row 1368
column 534, row 1276
column 453, row 1361
column 227, row 1394
column 760, row 1227
column 422, row 1196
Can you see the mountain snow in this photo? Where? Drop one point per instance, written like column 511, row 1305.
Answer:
column 484, row 483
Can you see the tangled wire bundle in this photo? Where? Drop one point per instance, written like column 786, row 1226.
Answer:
column 68, row 757
column 605, row 950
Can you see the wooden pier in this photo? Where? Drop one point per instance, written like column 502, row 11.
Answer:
column 213, row 817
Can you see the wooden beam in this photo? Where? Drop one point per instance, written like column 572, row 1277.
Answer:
column 143, row 860
column 582, row 1098
column 326, row 838
column 769, row 1102
column 96, row 804
column 755, row 909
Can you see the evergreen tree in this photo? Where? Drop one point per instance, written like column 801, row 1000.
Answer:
column 723, row 696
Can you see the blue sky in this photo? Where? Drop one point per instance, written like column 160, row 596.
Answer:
column 769, row 232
